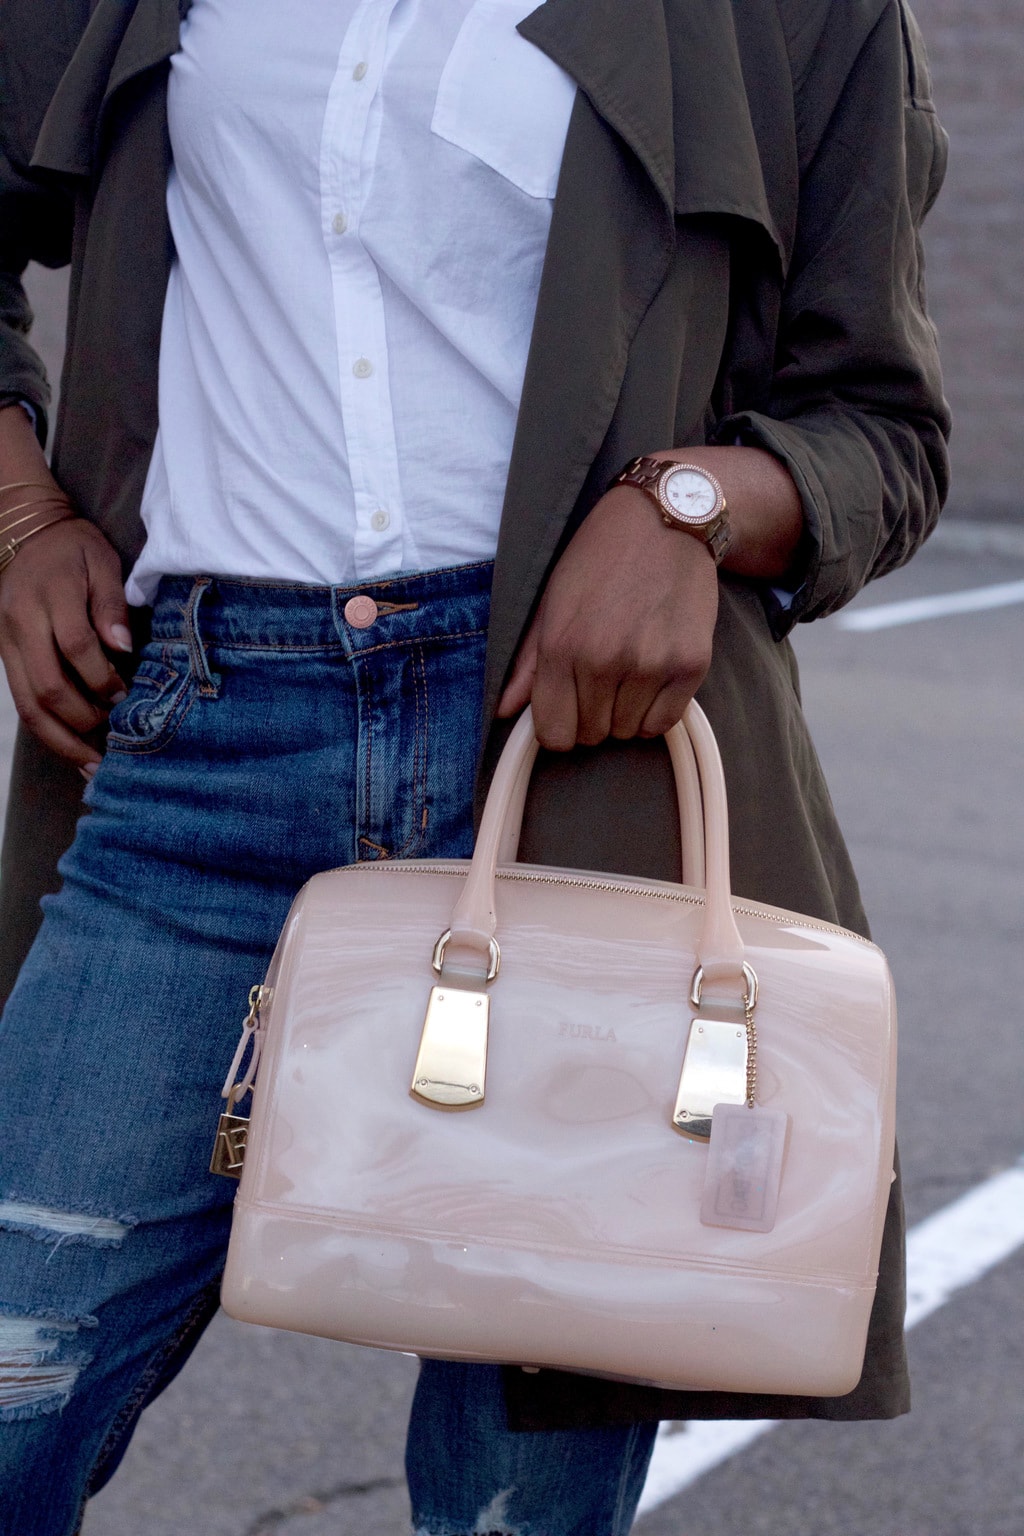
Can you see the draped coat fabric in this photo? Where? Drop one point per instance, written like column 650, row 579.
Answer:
column 733, row 255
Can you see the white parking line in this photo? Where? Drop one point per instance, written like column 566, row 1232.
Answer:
column 914, row 609
column 946, row 1252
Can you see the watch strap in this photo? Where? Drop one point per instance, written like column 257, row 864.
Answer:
column 646, row 471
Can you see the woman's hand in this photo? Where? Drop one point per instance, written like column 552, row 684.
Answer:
column 62, row 607
column 622, row 638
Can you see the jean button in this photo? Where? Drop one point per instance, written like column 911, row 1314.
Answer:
column 360, row 611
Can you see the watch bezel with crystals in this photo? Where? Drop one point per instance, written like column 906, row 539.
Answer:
column 697, row 520
column 652, row 475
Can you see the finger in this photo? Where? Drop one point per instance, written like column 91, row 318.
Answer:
column 667, row 709
column 596, row 694
column 107, row 606
column 50, row 730
column 519, row 688
column 50, row 691
column 79, row 644
column 554, row 703
column 634, row 698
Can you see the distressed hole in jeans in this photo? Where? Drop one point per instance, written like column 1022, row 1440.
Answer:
column 37, row 1373
column 59, row 1227
column 489, row 1522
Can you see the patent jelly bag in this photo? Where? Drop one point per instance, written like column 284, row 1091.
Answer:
column 564, row 1119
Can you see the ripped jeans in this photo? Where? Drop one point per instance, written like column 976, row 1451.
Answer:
column 266, row 737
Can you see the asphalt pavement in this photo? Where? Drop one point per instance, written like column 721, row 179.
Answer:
column 920, row 728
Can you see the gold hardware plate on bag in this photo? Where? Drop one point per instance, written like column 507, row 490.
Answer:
column 714, row 1072
column 720, row 1062
column 451, row 1064
column 229, row 1147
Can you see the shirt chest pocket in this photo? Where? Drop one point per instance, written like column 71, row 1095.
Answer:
column 503, row 101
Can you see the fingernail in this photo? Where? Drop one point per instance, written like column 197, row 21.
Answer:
column 118, row 698
column 122, row 636
column 87, row 771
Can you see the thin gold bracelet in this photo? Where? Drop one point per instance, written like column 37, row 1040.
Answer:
column 10, row 549
column 4, row 532
column 5, row 527
column 28, row 485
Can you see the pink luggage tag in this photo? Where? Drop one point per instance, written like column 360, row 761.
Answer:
column 744, row 1171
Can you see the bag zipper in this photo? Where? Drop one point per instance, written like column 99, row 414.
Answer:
column 584, row 883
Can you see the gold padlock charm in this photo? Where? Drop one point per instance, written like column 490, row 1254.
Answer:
column 229, row 1147
column 232, row 1130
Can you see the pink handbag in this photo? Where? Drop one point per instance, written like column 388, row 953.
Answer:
column 555, row 1118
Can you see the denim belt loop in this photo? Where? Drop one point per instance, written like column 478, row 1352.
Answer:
column 208, row 682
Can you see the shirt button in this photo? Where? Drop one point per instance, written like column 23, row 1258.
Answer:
column 380, row 520
column 362, row 367
column 339, row 223
column 360, row 611
column 359, row 72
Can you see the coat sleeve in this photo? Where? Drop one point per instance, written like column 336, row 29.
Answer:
column 36, row 210
column 855, row 408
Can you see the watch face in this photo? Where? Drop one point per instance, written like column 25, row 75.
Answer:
column 691, row 496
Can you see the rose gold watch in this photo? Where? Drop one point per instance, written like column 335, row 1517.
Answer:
column 688, row 498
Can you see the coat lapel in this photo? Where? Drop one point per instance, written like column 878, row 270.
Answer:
column 124, row 38
column 668, row 77
column 664, row 79
column 609, row 248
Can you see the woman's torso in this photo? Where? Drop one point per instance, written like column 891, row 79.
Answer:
column 360, row 201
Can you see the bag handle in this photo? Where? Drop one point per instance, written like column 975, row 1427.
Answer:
column 691, row 814
column 469, row 954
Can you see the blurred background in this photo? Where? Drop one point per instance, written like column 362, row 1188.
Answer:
column 920, row 723
column 974, row 239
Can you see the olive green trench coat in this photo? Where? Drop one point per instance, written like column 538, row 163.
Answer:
column 733, row 257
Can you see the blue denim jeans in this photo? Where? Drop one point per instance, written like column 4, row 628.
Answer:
column 265, row 737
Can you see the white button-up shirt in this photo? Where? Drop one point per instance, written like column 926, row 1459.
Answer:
column 360, row 200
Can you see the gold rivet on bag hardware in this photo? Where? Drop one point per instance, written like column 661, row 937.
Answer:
column 451, row 1064
column 719, row 1064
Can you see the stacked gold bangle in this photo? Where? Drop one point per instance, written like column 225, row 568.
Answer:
column 48, row 510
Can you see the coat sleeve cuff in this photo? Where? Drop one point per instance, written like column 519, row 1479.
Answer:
column 35, row 413
column 785, row 601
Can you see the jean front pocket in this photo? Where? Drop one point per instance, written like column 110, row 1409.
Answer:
column 160, row 698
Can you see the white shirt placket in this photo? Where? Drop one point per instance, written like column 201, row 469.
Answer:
column 347, row 151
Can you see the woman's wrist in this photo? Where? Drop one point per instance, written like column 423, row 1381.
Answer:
column 30, row 498
column 765, row 512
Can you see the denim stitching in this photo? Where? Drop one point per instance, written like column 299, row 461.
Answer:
column 420, row 751
column 625, row 1474
column 367, row 800
column 326, row 648
column 367, row 842
column 419, row 640
column 419, row 758
column 403, row 851
column 194, row 640
column 148, row 1376
column 332, row 648
column 170, row 728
